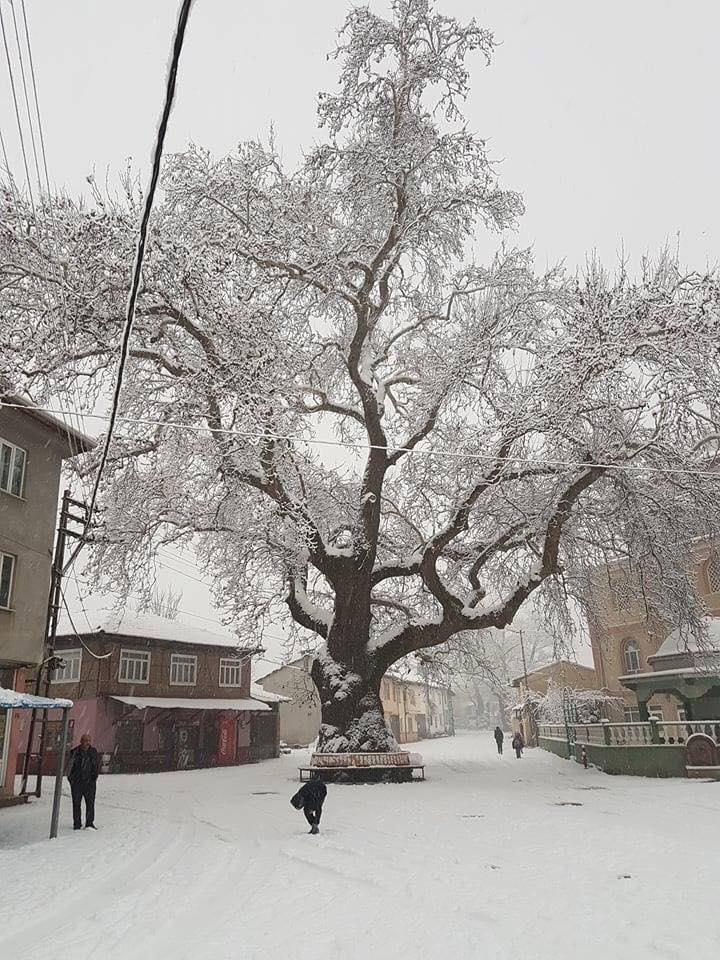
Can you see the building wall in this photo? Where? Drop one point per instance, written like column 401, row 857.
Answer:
column 101, row 676
column 414, row 710
column 27, row 531
column 300, row 718
column 563, row 673
column 101, row 717
column 10, row 732
column 621, row 617
column 95, row 711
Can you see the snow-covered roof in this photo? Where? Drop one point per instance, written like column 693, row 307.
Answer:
column 191, row 703
column 13, row 700
column 410, row 677
column 266, row 696
column 92, row 618
column 682, row 641
column 79, row 442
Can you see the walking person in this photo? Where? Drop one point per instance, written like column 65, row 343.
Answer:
column 518, row 745
column 310, row 798
column 83, row 770
column 499, row 737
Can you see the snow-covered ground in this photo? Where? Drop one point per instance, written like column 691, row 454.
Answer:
column 484, row 860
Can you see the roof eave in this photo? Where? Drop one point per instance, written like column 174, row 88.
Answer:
column 77, row 442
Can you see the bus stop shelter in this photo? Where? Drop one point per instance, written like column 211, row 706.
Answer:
column 14, row 700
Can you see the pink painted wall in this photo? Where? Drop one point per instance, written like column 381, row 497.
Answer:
column 7, row 787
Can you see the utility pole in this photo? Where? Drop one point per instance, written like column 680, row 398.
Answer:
column 531, row 718
column 522, row 650
column 50, row 662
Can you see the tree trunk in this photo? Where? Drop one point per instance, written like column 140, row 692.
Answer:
column 352, row 719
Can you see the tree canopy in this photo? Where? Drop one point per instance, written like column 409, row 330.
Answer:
column 337, row 404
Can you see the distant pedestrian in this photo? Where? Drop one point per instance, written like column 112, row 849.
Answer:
column 83, row 770
column 310, row 798
column 499, row 737
column 518, row 745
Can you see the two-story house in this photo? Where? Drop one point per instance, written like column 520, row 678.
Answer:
column 157, row 694
column 33, row 446
column 416, row 709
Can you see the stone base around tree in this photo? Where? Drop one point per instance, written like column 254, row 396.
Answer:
column 397, row 767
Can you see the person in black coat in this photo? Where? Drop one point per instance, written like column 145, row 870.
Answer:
column 518, row 745
column 83, row 770
column 310, row 798
column 499, row 737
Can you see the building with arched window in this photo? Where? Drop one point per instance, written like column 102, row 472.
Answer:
column 631, row 656
column 627, row 637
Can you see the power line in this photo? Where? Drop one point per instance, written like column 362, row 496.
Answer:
column 21, row 61
column 35, row 93
column 97, row 656
column 51, row 209
column 17, row 109
column 140, row 252
column 415, row 451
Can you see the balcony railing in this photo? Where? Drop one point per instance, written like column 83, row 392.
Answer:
column 673, row 732
column 655, row 733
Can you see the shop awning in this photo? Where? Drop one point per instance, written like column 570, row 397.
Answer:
column 14, row 700
column 191, row 703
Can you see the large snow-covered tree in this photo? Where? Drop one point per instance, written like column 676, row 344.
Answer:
column 334, row 403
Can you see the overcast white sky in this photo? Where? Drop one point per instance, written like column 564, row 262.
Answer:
column 604, row 113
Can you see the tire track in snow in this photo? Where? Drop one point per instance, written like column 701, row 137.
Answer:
column 70, row 912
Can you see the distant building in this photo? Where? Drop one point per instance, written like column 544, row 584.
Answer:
column 300, row 713
column 157, row 694
column 413, row 709
column 33, row 446
column 560, row 674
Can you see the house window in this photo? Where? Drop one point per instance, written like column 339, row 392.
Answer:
column 12, row 468
column 682, row 714
column 7, row 570
column 183, row 670
column 631, row 656
column 70, row 673
column 631, row 715
column 656, row 712
column 134, row 666
column 230, row 673
column 713, row 573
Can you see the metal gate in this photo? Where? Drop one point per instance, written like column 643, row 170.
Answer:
column 570, row 716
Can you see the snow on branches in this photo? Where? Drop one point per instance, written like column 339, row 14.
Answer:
column 501, row 431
